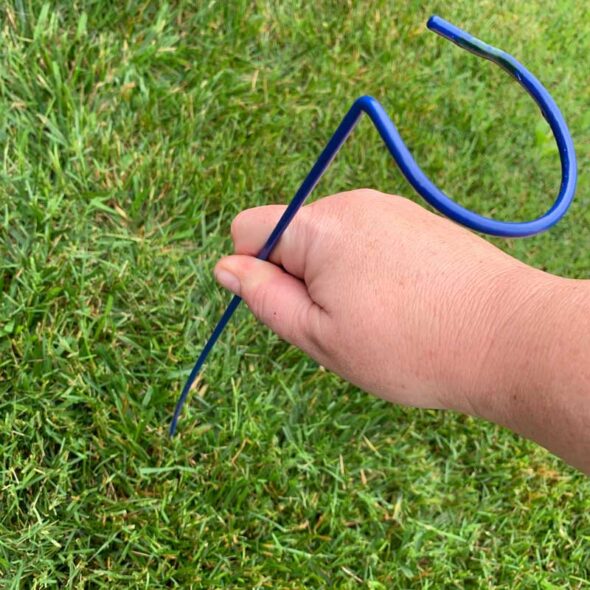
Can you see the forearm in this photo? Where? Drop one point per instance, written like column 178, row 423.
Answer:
column 539, row 370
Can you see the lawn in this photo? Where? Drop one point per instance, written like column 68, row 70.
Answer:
column 131, row 134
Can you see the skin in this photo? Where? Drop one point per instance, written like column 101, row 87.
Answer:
column 413, row 308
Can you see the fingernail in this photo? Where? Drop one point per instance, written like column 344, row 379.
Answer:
column 228, row 280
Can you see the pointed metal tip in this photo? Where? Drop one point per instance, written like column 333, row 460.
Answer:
column 172, row 427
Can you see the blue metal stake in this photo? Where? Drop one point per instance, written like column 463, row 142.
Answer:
column 421, row 183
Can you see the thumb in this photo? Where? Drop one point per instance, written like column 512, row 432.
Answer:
column 275, row 297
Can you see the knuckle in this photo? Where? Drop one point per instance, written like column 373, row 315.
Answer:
column 237, row 224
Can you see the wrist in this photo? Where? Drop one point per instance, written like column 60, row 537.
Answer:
column 516, row 337
column 536, row 380
column 489, row 343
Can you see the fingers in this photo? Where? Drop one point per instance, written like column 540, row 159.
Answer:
column 276, row 298
column 251, row 228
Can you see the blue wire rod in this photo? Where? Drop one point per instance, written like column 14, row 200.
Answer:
column 421, row 183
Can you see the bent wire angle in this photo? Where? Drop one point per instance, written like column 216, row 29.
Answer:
column 421, row 183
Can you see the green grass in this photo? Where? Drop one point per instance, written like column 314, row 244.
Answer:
column 130, row 137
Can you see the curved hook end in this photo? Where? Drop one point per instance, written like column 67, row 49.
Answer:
column 449, row 31
column 434, row 22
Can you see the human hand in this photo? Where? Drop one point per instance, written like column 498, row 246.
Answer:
column 420, row 311
column 399, row 301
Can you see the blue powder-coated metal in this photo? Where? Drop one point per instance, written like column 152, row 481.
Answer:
column 421, row 183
